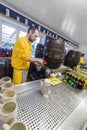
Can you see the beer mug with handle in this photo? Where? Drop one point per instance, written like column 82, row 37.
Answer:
column 8, row 111
column 8, row 95
column 15, row 126
column 45, row 87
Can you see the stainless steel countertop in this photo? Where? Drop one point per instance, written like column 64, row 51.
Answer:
column 65, row 109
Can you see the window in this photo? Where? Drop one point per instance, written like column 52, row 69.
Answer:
column 11, row 30
column 22, row 34
column 9, row 35
column 34, row 44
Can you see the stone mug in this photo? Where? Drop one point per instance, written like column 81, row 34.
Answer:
column 45, row 87
column 6, row 86
column 15, row 126
column 8, row 111
column 8, row 95
column 5, row 80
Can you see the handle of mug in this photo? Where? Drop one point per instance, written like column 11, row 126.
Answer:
column 5, row 127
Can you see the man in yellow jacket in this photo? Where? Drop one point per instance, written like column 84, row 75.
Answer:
column 81, row 61
column 21, row 56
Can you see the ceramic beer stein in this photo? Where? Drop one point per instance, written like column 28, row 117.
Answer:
column 45, row 87
column 8, row 111
column 6, row 86
column 5, row 80
column 8, row 95
column 15, row 126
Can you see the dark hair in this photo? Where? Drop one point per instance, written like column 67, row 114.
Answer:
column 82, row 54
column 33, row 28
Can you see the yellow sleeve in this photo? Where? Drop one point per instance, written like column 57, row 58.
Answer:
column 82, row 60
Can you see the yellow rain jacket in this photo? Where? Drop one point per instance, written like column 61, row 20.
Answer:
column 81, row 62
column 21, row 51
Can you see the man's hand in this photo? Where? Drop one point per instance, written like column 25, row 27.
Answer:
column 35, row 60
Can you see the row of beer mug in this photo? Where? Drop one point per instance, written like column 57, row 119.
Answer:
column 8, row 115
column 7, row 88
column 7, row 91
column 9, row 107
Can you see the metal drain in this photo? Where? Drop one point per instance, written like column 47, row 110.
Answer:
column 65, row 98
column 40, row 113
column 79, row 93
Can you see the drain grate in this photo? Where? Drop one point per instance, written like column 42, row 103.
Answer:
column 40, row 113
column 79, row 93
column 65, row 98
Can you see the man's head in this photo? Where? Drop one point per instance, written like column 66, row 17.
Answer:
column 82, row 54
column 32, row 33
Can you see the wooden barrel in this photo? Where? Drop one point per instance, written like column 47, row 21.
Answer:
column 39, row 51
column 72, row 58
column 54, row 53
column 77, row 57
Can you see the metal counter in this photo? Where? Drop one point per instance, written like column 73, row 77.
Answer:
column 64, row 109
